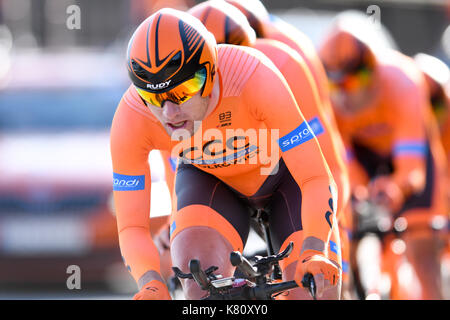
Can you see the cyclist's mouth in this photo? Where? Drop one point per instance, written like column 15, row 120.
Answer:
column 177, row 125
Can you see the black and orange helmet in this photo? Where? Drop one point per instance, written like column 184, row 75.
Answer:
column 343, row 54
column 225, row 22
column 255, row 12
column 169, row 48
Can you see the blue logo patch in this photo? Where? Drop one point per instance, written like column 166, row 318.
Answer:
column 345, row 266
column 128, row 183
column 173, row 163
column 334, row 247
column 316, row 126
column 173, row 226
column 295, row 138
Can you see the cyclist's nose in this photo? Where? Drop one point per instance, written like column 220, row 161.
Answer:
column 171, row 110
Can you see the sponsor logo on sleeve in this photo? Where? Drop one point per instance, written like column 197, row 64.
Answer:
column 334, row 247
column 173, row 226
column 123, row 182
column 298, row 136
column 316, row 126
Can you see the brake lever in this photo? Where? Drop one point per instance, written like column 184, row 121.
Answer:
column 309, row 283
column 180, row 274
column 199, row 275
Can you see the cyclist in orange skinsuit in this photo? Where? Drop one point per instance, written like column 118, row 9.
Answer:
column 230, row 26
column 386, row 123
column 212, row 106
column 437, row 76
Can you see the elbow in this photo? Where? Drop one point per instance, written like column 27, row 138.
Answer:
column 416, row 180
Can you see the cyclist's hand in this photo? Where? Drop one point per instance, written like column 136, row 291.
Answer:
column 153, row 290
column 385, row 192
column 320, row 267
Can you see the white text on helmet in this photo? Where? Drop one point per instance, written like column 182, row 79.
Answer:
column 158, row 86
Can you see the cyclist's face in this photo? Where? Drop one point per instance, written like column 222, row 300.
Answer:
column 351, row 98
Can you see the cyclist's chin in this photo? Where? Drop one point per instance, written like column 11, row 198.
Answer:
column 350, row 102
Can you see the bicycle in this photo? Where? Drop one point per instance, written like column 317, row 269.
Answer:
column 253, row 282
column 374, row 220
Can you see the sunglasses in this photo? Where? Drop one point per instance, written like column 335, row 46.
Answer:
column 351, row 81
column 439, row 105
column 179, row 94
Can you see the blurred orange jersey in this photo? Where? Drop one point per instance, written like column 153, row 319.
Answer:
column 280, row 30
column 396, row 123
column 445, row 127
column 255, row 122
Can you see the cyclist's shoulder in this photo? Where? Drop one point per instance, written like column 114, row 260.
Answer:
column 398, row 71
column 276, row 50
column 131, row 103
column 133, row 121
column 238, row 64
column 231, row 57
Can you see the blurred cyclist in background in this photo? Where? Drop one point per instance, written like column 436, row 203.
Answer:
column 437, row 76
column 187, row 94
column 229, row 25
column 395, row 156
column 140, row 10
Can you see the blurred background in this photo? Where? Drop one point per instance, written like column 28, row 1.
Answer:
column 61, row 79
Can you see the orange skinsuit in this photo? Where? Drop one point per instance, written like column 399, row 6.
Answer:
column 396, row 123
column 250, row 87
column 268, row 26
column 445, row 130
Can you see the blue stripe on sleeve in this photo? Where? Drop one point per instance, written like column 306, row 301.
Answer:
column 410, row 148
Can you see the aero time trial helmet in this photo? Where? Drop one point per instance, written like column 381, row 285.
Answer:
column 171, row 56
column 226, row 22
column 255, row 12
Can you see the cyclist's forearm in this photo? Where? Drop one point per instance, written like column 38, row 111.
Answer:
column 318, row 213
column 410, row 175
column 140, row 254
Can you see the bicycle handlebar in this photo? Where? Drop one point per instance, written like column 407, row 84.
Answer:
column 243, row 289
column 258, row 292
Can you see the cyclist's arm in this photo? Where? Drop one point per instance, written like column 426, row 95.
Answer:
column 445, row 128
column 130, row 148
column 410, row 142
column 357, row 174
column 272, row 101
